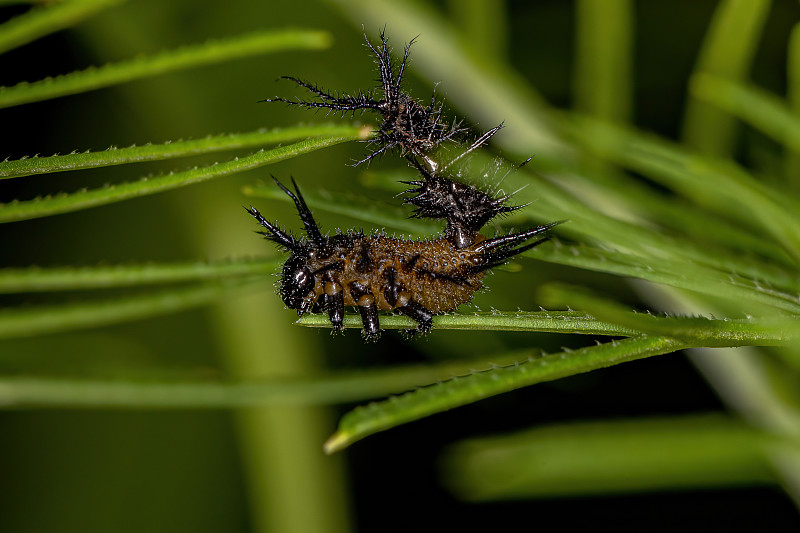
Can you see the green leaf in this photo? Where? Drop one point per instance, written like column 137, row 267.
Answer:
column 43, row 319
column 711, row 183
column 545, row 321
column 602, row 79
column 66, row 203
column 41, row 21
column 728, row 50
column 656, row 454
column 792, row 170
column 210, row 52
column 750, row 104
column 485, row 23
column 366, row 420
column 684, row 275
column 169, row 150
column 34, row 279
column 328, row 388
column 697, row 331
column 351, row 205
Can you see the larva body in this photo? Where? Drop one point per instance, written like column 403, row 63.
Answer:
column 379, row 273
column 391, row 272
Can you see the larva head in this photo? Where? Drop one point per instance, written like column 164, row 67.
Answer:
column 298, row 277
column 297, row 283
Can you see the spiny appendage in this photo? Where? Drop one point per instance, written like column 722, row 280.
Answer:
column 310, row 277
column 465, row 208
column 408, row 125
column 498, row 250
column 333, row 102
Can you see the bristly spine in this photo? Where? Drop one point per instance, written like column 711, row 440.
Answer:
column 407, row 124
column 465, row 208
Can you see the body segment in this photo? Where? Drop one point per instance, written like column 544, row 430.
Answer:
column 395, row 271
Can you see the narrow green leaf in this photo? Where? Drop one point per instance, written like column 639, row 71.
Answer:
column 679, row 274
column 35, row 279
column 329, row 388
column 485, row 23
column 66, row 203
column 697, row 331
column 712, row 183
column 39, row 320
column 168, row 150
column 338, row 387
column 351, row 205
column 41, row 21
column 366, row 420
column 728, row 50
column 610, row 457
column 617, row 193
column 750, row 104
column 210, row 52
column 602, row 79
column 544, row 321
column 793, row 96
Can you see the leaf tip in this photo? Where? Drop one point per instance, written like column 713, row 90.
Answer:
column 337, row 442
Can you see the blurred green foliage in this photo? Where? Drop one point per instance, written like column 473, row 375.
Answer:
column 694, row 221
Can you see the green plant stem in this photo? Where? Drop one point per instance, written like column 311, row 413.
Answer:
column 169, row 150
column 210, row 52
column 41, row 21
column 66, row 203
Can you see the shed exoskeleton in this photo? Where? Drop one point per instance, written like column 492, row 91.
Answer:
column 407, row 124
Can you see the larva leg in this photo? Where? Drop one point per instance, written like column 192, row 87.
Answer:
column 336, row 311
column 393, row 289
column 369, row 317
column 368, row 309
column 420, row 315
